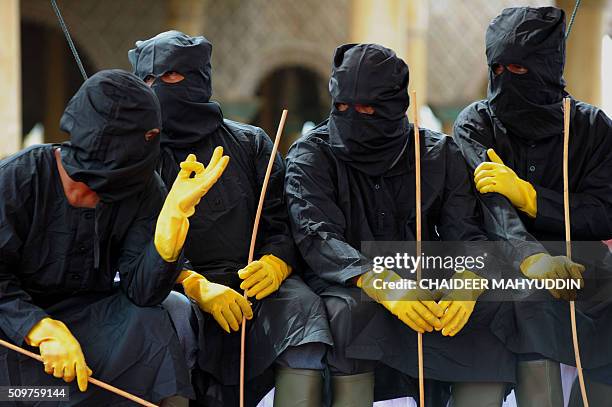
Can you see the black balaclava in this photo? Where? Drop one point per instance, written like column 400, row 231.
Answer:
column 187, row 113
column 369, row 74
column 107, row 120
column 528, row 105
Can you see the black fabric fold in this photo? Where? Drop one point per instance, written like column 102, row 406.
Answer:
column 372, row 75
column 107, row 120
column 529, row 105
column 188, row 115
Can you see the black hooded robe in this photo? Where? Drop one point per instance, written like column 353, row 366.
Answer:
column 533, row 329
column 522, row 120
column 60, row 261
column 219, row 236
column 46, row 269
column 218, row 246
column 335, row 207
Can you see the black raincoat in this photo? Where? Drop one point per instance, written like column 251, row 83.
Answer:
column 220, row 230
column 336, row 201
column 529, row 139
column 60, row 261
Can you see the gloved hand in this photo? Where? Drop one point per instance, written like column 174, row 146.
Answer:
column 416, row 308
column 544, row 266
column 458, row 305
column 185, row 194
column 495, row 176
column 60, row 351
column 264, row 276
column 224, row 304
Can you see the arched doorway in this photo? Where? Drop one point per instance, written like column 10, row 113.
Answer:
column 298, row 89
column 49, row 79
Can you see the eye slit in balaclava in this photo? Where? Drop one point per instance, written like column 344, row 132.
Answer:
column 151, row 135
column 515, row 69
column 341, row 106
column 360, row 109
column 169, row 77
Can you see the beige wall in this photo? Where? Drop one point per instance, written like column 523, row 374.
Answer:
column 10, row 83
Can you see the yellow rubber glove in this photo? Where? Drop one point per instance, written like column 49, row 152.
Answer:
column 544, row 266
column 225, row 305
column 60, row 351
column 185, row 194
column 416, row 308
column 264, row 276
column 458, row 305
column 495, row 176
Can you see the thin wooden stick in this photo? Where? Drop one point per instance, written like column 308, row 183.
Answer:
column 417, row 169
column 262, row 197
column 91, row 380
column 568, row 242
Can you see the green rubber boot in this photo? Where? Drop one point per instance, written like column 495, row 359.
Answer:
column 598, row 394
column 298, row 387
column 175, row 401
column 539, row 384
column 477, row 394
column 354, row 390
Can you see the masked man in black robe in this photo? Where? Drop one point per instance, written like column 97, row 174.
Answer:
column 352, row 179
column 514, row 142
column 75, row 215
column 287, row 331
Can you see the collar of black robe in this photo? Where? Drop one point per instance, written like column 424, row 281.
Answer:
column 107, row 120
column 188, row 115
column 530, row 105
column 369, row 74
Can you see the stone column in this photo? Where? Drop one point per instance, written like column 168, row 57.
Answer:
column 10, row 72
column 186, row 16
column 397, row 24
column 56, row 57
column 583, row 57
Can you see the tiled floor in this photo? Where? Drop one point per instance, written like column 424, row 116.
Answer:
column 568, row 375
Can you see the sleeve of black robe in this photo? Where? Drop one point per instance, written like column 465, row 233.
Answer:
column 460, row 214
column 591, row 203
column 17, row 312
column 318, row 224
column 474, row 136
column 146, row 278
column 274, row 234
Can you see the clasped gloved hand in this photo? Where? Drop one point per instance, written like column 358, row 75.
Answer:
column 264, row 276
column 60, row 351
column 185, row 194
column 495, row 176
column 416, row 307
column 225, row 305
column 544, row 266
column 458, row 305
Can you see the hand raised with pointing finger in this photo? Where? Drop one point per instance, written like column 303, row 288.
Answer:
column 185, row 194
column 188, row 191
